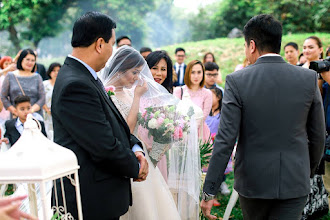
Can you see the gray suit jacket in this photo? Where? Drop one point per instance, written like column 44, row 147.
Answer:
column 275, row 110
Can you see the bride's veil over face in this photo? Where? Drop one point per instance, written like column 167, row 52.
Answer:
column 126, row 69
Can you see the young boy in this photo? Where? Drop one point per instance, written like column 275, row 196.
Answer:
column 211, row 75
column 14, row 127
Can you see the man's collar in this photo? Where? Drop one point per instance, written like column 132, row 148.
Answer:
column 270, row 55
column 90, row 69
column 18, row 122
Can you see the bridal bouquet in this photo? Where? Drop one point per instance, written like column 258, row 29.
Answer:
column 166, row 125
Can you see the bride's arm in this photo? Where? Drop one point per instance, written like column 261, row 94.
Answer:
column 133, row 113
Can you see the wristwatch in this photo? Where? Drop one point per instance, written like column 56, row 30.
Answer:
column 207, row 197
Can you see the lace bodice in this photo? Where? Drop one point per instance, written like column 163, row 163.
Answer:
column 123, row 103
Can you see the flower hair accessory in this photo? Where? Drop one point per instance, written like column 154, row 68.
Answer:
column 110, row 90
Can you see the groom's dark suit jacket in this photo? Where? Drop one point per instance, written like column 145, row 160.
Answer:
column 275, row 109
column 87, row 122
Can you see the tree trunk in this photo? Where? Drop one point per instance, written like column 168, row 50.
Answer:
column 13, row 37
column 35, row 44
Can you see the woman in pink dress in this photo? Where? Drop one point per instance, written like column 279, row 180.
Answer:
column 194, row 79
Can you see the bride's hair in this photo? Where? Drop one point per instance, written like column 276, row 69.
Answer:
column 126, row 60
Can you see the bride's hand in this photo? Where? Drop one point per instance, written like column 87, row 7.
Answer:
column 140, row 90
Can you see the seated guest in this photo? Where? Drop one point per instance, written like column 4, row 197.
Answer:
column 145, row 51
column 211, row 75
column 123, row 40
column 14, row 127
column 291, row 52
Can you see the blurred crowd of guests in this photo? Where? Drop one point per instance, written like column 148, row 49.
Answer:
column 24, row 80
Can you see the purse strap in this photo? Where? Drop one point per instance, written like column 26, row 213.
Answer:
column 19, row 85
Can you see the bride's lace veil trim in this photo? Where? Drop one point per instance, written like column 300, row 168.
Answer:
column 125, row 70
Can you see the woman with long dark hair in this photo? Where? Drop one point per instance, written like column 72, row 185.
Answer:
column 161, row 67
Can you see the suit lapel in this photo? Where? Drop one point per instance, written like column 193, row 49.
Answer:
column 111, row 105
column 82, row 68
column 16, row 135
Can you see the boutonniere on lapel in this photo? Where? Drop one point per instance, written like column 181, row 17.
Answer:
column 110, row 90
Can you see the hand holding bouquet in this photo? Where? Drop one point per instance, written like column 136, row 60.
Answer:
column 165, row 125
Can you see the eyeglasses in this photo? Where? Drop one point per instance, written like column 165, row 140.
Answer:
column 212, row 75
column 29, row 60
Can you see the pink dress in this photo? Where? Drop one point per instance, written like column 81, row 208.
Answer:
column 203, row 99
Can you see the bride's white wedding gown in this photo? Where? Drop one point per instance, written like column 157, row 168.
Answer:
column 152, row 199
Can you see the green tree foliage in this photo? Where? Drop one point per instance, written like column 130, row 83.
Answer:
column 202, row 27
column 129, row 16
column 46, row 20
column 32, row 19
column 299, row 16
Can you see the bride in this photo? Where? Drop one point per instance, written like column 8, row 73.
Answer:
column 136, row 90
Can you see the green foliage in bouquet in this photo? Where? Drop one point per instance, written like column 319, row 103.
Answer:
column 205, row 149
column 164, row 123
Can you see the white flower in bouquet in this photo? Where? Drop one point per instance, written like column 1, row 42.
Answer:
column 153, row 123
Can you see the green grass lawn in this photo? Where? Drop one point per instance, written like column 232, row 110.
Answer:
column 236, row 212
column 230, row 52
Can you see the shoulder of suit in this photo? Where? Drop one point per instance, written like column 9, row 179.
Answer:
column 10, row 122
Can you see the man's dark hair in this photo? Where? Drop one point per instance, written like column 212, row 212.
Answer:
column 292, row 44
column 121, row 38
column 154, row 58
column 300, row 55
column 179, row 49
column 265, row 31
column 145, row 49
column 209, row 66
column 90, row 27
column 22, row 55
column 21, row 99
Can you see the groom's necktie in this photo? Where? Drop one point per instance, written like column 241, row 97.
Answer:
column 101, row 84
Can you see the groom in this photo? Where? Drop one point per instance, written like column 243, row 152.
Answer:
column 87, row 122
column 275, row 110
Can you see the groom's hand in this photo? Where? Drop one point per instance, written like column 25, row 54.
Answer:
column 144, row 167
column 206, row 209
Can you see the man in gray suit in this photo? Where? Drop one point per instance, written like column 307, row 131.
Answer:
column 275, row 111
